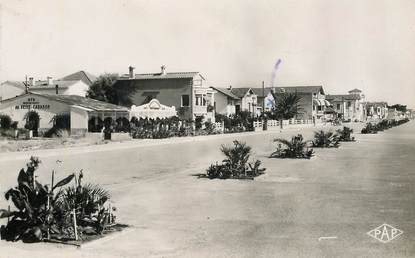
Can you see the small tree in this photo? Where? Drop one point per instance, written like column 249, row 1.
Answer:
column 287, row 105
column 5, row 122
column 102, row 89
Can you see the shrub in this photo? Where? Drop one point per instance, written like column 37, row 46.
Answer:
column 345, row 134
column 297, row 148
column 48, row 212
column 5, row 122
column 14, row 125
column 236, row 164
column 8, row 133
column 198, row 122
column 369, row 129
column 326, row 139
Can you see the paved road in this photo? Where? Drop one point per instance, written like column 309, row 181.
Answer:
column 339, row 195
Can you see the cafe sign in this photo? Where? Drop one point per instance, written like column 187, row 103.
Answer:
column 32, row 103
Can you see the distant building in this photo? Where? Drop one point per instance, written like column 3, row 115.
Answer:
column 312, row 102
column 186, row 91
column 74, row 84
column 377, row 110
column 84, row 76
column 225, row 101
column 349, row 106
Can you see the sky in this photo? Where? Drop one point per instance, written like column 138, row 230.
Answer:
column 340, row 44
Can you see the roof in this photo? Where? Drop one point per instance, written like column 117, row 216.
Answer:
column 86, row 77
column 354, row 90
column 16, row 84
column 45, row 85
column 75, row 100
column 152, row 76
column 226, row 92
column 240, row 92
column 85, row 102
column 290, row 89
column 342, row 97
column 377, row 104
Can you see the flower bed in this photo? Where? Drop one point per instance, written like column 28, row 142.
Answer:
column 373, row 128
column 236, row 165
column 58, row 212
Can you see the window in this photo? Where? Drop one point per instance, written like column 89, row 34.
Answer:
column 349, row 104
column 338, row 106
column 185, row 100
column 200, row 100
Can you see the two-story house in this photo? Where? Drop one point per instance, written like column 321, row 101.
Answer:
column 312, row 104
column 349, row 106
column 225, row 101
column 186, row 91
column 237, row 99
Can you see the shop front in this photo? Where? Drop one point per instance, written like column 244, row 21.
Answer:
column 40, row 112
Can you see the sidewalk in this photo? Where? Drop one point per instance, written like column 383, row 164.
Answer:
column 139, row 143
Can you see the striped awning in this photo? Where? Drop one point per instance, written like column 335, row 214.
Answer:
column 327, row 103
column 321, row 102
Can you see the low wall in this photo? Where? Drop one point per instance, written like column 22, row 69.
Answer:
column 120, row 136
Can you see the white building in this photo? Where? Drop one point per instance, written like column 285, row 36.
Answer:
column 74, row 84
column 42, row 108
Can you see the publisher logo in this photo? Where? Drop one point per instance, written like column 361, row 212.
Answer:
column 385, row 233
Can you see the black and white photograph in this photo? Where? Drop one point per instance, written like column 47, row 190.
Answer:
column 207, row 128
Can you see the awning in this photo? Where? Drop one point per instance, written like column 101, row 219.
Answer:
column 329, row 110
column 327, row 103
column 321, row 102
column 317, row 102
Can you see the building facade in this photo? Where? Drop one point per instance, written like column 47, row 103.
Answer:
column 312, row 104
column 376, row 110
column 225, row 101
column 349, row 106
column 75, row 86
column 41, row 109
column 186, row 91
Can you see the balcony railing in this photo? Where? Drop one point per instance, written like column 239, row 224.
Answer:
column 200, row 109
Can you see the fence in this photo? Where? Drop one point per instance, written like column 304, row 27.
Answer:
column 219, row 126
column 275, row 124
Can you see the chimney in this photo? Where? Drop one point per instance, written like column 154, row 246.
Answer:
column 50, row 80
column 31, row 81
column 57, row 89
column 131, row 72
column 163, row 70
column 230, row 87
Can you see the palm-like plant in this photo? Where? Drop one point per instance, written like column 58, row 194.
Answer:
column 236, row 164
column 88, row 203
column 35, row 203
column 324, row 139
column 345, row 134
column 287, row 105
column 236, row 156
column 294, row 148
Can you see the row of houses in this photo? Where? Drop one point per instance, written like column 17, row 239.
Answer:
column 190, row 95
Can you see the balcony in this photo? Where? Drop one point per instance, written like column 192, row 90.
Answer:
column 199, row 110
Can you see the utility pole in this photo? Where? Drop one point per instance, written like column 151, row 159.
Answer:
column 26, row 86
column 263, row 95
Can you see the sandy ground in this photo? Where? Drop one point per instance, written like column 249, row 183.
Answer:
column 340, row 193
